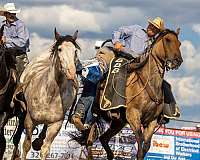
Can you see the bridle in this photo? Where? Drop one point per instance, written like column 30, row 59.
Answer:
column 157, row 59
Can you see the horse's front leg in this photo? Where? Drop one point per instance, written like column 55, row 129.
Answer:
column 133, row 118
column 148, row 133
column 3, row 120
column 38, row 142
column 51, row 133
column 16, row 139
column 115, row 127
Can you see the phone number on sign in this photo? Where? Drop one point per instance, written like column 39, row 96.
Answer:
column 53, row 155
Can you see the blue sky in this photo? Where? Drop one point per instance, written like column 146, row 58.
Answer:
column 95, row 20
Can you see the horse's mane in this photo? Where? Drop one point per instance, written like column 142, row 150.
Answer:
column 164, row 32
column 66, row 38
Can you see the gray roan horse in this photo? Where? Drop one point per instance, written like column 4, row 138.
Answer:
column 50, row 86
column 144, row 96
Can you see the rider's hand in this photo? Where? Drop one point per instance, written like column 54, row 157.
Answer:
column 3, row 39
column 118, row 46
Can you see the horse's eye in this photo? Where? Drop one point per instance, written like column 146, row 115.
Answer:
column 59, row 49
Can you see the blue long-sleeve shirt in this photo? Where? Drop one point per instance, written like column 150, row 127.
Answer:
column 17, row 35
column 133, row 38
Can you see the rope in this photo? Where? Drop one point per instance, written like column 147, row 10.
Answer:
column 185, row 121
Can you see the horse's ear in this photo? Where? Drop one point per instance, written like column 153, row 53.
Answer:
column 56, row 34
column 178, row 30
column 75, row 35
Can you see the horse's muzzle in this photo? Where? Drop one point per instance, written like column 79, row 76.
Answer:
column 173, row 64
column 71, row 73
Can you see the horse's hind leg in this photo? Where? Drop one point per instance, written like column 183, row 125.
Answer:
column 52, row 131
column 2, row 142
column 133, row 117
column 115, row 127
column 29, row 126
column 148, row 133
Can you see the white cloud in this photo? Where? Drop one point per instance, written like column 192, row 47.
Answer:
column 196, row 28
column 118, row 16
column 191, row 57
column 40, row 44
column 87, row 48
column 63, row 16
column 69, row 19
column 186, row 90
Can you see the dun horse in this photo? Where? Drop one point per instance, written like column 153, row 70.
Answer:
column 144, row 97
column 7, row 87
column 50, row 86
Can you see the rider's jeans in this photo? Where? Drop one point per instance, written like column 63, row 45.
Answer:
column 84, row 108
column 85, row 102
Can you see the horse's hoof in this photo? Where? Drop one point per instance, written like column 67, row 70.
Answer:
column 12, row 104
column 37, row 144
column 110, row 156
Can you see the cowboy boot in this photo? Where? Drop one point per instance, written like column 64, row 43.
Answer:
column 76, row 120
column 171, row 111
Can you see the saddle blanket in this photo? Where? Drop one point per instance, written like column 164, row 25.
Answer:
column 114, row 92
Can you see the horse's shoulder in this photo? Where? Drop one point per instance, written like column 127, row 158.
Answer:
column 132, row 78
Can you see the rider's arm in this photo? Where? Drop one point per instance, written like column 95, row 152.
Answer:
column 122, row 33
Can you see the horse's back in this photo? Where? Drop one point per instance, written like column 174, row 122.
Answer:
column 37, row 66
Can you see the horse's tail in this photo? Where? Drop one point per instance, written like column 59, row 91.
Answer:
column 79, row 137
column 19, row 89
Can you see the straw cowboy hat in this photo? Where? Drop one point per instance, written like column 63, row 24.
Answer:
column 157, row 22
column 9, row 7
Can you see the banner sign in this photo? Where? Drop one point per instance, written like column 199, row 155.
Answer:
column 123, row 146
column 9, row 129
column 62, row 147
column 169, row 144
column 174, row 144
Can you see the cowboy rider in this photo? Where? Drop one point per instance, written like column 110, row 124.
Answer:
column 132, row 41
column 15, row 38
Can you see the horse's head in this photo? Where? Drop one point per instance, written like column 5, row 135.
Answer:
column 167, row 47
column 64, row 52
